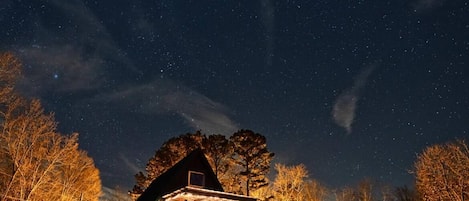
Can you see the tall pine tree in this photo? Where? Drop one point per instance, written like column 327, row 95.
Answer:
column 252, row 156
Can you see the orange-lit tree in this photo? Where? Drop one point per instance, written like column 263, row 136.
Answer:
column 315, row 191
column 442, row 172
column 345, row 194
column 216, row 148
column 290, row 182
column 37, row 162
column 79, row 177
column 228, row 165
column 364, row 190
column 219, row 151
column 252, row 156
column 10, row 68
column 168, row 155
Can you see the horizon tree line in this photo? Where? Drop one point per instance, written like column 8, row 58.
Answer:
column 441, row 172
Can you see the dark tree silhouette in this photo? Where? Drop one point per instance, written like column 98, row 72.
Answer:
column 405, row 194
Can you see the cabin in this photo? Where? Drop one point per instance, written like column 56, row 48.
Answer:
column 191, row 179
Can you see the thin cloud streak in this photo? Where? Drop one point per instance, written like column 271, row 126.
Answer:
column 345, row 106
column 200, row 112
column 132, row 167
column 165, row 96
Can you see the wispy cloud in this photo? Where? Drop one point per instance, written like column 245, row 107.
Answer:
column 79, row 57
column 164, row 96
column 59, row 68
column 132, row 167
column 72, row 54
column 344, row 110
column 200, row 112
column 345, row 106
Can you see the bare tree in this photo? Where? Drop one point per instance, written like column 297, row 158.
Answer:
column 345, row 194
column 365, row 190
column 315, row 191
column 79, row 179
column 290, row 182
column 34, row 156
column 442, row 172
column 387, row 193
column 44, row 165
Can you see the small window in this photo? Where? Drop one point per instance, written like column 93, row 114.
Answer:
column 196, row 179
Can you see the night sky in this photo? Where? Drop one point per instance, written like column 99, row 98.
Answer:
column 351, row 89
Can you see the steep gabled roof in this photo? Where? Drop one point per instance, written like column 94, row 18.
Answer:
column 177, row 177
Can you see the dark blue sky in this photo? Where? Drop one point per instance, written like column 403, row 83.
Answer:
column 352, row 89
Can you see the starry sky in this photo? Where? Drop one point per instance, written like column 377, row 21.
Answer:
column 351, row 89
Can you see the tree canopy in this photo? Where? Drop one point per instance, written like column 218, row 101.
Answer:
column 223, row 154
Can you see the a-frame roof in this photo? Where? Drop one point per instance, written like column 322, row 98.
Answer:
column 177, row 177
